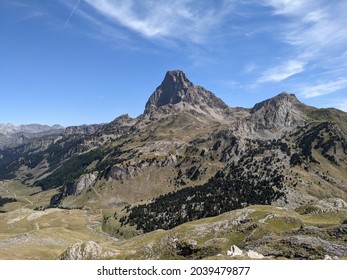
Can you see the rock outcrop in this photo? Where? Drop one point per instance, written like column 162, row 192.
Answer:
column 234, row 251
column 85, row 181
column 237, row 252
column 83, row 251
column 82, row 129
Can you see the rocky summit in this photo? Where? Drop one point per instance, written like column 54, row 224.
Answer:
column 197, row 176
column 176, row 88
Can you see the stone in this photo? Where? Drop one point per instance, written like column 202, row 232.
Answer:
column 234, row 251
column 254, row 255
column 83, row 251
column 85, row 181
column 327, row 257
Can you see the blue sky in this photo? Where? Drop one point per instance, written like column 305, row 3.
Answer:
column 88, row 61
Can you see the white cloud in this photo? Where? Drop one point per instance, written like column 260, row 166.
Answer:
column 323, row 88
column 283, row 71
column 287, row 7
column 314, row 31
column 184, row 19
column 342, row 105
column 313, row 25
column 249, row 68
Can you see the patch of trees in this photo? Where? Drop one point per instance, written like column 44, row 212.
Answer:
column 12, row 159
column 325, row 138
column 70, row 169
column 4, row 200
column 193, row 173
column 216, row 145
column 259, row 147
column 295, row 159
column 61, row 150
column 230, row 189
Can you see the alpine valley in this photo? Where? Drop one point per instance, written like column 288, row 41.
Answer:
column 190, row 178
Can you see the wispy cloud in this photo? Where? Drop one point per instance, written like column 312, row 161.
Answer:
column 101, row 29
column 186, row 20
column 288, row 7
column 249, row 68
column 313, row 26
column 314, row 32
column 323, row 88
column 25, row 11
column 342, row 105
column 282, row 71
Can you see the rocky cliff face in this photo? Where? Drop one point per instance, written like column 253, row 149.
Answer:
column 82, row 129
column 279, row 111
column 176, row 89
column 271, row 117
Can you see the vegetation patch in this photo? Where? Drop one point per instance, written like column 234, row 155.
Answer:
column 4, row 200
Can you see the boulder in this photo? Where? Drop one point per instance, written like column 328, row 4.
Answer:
column 254, row 255
column 234, row 251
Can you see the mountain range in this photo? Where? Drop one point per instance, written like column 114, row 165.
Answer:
column 12, row 135
column 190, row 157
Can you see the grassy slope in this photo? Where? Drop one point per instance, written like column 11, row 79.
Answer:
column 30, row 234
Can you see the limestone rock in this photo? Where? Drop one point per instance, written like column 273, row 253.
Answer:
column 83, row 251
column 277, row 111
column 254, row 255
column 327, row 257
column 82, row 129
column 235, row 251
column 332, row 205
column 85, row 181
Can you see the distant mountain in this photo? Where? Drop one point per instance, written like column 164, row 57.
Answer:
column 9, row 129
column 189, row 156
column 12, row 135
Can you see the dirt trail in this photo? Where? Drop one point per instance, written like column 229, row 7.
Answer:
column 94, row 224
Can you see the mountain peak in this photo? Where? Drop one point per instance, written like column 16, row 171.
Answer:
column 172, row 90
column 178, row 78
column 176, row 88
column 276, row 101
column 279, row 111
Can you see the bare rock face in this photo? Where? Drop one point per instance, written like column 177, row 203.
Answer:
column 279, row 111
column 176, row 88
column 120, row 173
column 329, row 205
column 271, row 117
column 85, row 181
column 234, row 251
column 254, row 255
column 83, row 251
column 82, row 129
column 119, row 126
